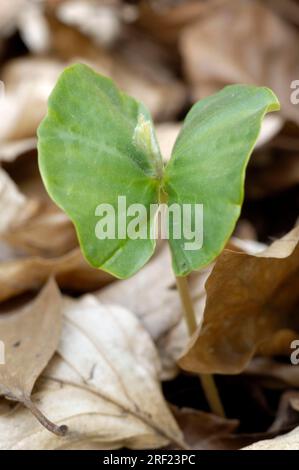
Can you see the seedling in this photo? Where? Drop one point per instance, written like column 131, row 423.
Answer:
column 97, row 144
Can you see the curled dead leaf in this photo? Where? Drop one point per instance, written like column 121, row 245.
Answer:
column 251, row 306
column 103, row 383
column 30, row 337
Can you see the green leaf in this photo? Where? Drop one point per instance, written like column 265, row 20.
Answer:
column 208, row 166
column 95, row 144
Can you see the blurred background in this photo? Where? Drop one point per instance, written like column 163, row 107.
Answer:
column 166, row 53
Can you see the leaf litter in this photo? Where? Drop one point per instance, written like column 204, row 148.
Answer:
column 167, row 56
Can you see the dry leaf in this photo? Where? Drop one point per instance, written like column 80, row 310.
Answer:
column 25, row 173
column 47, row 232
column 9, row 15
column 289, row 441
column 12, row 202
column 260, row 48
column 9, row 151
column 70, row 270
column 205, row 431
column 26, row 16
column 28, row 83
column 33, row 27
column 30, row 336
column 251, row 306
column 103, row 384
column 101, row 22
column 30, row 221
column 7, row 252
column 151, row 294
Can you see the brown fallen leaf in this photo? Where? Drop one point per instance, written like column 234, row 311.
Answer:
column 103, row 383
column 264, row 55
column 25, row 173
column 46, row 232
column 28, row 83
column 12, row 202
column 30, row 336
column 30, row 222
column 289, row 441
column 7, row 252
column 151, row 294
column 205, row 431
column 251, row 306
column 70, row 270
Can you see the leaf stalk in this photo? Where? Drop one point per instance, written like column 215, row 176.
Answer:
column 49, row 425
column 207, row 380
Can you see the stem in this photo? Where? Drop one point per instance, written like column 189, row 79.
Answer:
column 207, row 380
column 54, row 428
